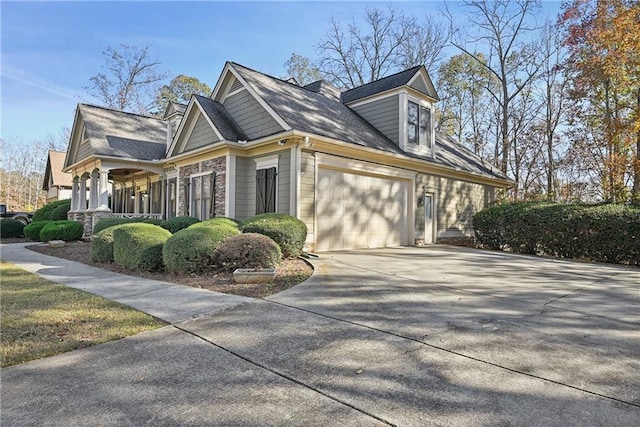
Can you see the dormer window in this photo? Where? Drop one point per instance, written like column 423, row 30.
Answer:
column 418, row 125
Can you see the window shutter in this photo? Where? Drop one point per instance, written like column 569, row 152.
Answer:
column 270, row 204
column 261, row 179
column 212, row 198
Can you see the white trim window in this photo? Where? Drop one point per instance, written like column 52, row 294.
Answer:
column 267, row 184
column 202, row 195
column 418, row 124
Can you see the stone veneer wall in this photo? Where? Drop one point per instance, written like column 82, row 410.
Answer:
column 217, row 165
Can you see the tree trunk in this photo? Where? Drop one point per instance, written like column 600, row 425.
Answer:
column 636, row 164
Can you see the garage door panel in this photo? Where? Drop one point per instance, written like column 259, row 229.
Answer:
column 359, row 211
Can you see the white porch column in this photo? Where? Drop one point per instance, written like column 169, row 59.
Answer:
column 82, row 194
column 93, row 191
column 102, row 193
column 75, row 197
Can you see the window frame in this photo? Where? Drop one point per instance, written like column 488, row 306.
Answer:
column 268, row 162
column 205, row 203
column 418, row 125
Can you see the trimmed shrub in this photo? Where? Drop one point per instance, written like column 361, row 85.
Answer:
column 45, row 212
column 192, row 250
column 220, row 221
column 11, row 228
column 152, row 221
column 32, row 231
column 138, row 246
column 247, row 250
column 605, row 233
column 101, row 249
column 62, row 230
column 105, row 223
column 59, row 213
column 288, row 232
column 178, row 223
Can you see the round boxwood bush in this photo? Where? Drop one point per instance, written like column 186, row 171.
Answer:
column 138, row 246
column 45, row 212
column 59, row 213
column 192, row 250
column 247, row 250
column 101, row 249
column 10, row 228
column 220, row 221
column 62, row 230
column 105, row 223
column 32, row 231
column 178, row 223
column 288, row 232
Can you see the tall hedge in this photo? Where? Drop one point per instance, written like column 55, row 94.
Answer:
column 45, row 212
column 287, row 231
column 604, row 233
column 138, row 246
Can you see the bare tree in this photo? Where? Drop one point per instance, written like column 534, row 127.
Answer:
column 130, row 81
column 502, row 30
column 424, row 45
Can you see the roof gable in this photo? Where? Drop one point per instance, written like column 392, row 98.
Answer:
column 100, row 131
column 53, row 175
column 416, row 77
column 220, row 122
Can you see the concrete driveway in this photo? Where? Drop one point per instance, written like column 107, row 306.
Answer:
column 407, row 336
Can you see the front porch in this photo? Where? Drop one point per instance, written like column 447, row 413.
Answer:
column 116, row 192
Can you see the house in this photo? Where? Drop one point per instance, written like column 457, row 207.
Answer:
column 56, row 183
column 362, row 168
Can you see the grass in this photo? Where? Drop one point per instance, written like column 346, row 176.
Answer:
column 41, row 318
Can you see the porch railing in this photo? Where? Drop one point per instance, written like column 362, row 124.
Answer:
column 137, row 215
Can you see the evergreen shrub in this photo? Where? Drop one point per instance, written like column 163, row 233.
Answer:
column 287, row 231
column 11, row 228
column 32, row 231
column 138, row 246
column 247, row 250
column 192, row 250
column 62, row 230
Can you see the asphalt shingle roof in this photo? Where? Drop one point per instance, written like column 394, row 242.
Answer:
column 390, row 82
column 119, row 134
column 305, row 110
column 221, row 119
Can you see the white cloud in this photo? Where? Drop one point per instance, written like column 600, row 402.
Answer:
column 25, row 77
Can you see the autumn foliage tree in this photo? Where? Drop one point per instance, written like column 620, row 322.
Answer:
column 604, row 58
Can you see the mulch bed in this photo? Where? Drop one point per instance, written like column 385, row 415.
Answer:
column 289, row 273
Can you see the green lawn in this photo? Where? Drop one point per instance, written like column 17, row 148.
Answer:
column 41, row 318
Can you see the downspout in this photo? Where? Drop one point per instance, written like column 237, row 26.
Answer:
column 296, row 155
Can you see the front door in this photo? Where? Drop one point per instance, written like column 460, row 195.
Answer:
column 428, row 218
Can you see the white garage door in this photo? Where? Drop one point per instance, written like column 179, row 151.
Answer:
column 358, row 211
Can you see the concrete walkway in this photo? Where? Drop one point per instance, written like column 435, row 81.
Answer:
column 408, row 336
column 167, row 301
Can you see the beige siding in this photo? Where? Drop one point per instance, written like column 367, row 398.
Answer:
column 456, row 203
column 202, row 134
column 246, row 185
column 252, row 118
column 307, row 193
column 384, row 115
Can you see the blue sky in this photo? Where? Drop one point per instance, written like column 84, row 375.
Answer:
column 50, row 49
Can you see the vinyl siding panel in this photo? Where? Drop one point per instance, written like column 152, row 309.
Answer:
column 284, row 182
column 202, row 134
column 254, row 120
column 384, row 115
column 246, row 185
column 456, row 203
column 307, row 193
column 84, row 151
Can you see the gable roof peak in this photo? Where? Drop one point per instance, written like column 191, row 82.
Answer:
column 393, row 81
